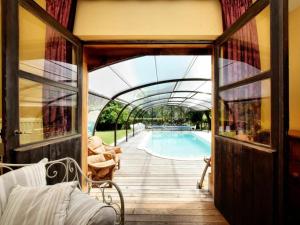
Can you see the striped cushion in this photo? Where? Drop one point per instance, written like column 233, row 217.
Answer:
column 84, row 210
column 33, row 175
column 38, row 205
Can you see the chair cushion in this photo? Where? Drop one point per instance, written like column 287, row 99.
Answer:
column 99, row 150
column 86, row 210
column 116, row 149
column 33, row 175
column 96, row 159
column 45, row 205
column 94, row 142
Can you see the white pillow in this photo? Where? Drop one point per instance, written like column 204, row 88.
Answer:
column 33, row 175
column 38, row 205
column 84, row 209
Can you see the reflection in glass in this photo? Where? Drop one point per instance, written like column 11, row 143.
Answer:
column 45, row 111
column 44, row 52
column 247, row 52
column 245, row 112
column 232, row 10
column 60, row 10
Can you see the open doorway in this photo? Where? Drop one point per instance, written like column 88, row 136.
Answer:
column 161, row 98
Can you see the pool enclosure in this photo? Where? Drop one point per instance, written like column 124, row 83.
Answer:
column 143, row 83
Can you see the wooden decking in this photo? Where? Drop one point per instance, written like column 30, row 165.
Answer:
column 161, row 191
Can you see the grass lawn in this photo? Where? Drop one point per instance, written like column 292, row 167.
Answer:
column 108, row 136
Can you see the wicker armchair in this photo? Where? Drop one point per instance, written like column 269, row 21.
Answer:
column 96, row 146
column 101, row 167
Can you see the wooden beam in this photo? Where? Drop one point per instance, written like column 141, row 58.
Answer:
column 99, row 56
column 280, row 104
column 84, row 117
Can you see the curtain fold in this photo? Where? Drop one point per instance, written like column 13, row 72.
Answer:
column 240, row 60
column 57, row 107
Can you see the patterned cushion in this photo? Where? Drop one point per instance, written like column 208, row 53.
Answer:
column 33, row 175
column 38, row 205
column 85, row 210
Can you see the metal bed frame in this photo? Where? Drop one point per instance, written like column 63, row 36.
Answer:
column 67, row 170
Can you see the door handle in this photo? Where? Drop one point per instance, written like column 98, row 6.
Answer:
column 18, row 132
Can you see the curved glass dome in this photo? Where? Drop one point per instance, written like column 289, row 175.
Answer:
column 156, row 80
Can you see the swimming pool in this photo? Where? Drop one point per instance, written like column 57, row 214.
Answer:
column 180, row 145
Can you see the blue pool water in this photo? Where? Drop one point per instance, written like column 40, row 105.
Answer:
column 177, row 145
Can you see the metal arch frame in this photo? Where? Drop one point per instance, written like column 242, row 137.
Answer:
column 156, row 83
column 145, row 110
column 158, row 105
column 166, row 102
column 148, row 85
column 171, row 92
column 122, row 110
column 138, row 106
column 163, row 104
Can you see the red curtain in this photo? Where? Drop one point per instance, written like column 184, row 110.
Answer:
column 240, row 60
column 58, row 52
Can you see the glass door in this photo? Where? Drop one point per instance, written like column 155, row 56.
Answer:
column 43, row 86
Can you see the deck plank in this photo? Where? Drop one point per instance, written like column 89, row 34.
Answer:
column 162, row 191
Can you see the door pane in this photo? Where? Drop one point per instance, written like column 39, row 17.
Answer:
column 1, row 146
column 44, row 52
column 46, row 111
column 294, row 65
column 247, row 52
column 245, row 112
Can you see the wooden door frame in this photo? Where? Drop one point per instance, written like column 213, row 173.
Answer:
column 149, row 47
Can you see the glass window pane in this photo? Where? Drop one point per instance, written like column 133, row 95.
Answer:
column 96, row 104
column 44, row 52
column 49, row 5
column 137, row 71
column 1, row 149
column 189, row 85
column 182, row 94
column 131, row 96
column 156, row 97
column 199, row 102
column 245, row 112
column 105, row 82
column 202, row 68
column 247, row 52
column 294, row 65
column 234, row 10
column 41, row 3
column 45, row 111
column 159, row 88
column 156, row 102
column 205, row 97
column 176, row 99
column 205, row 87
column 173, row 67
